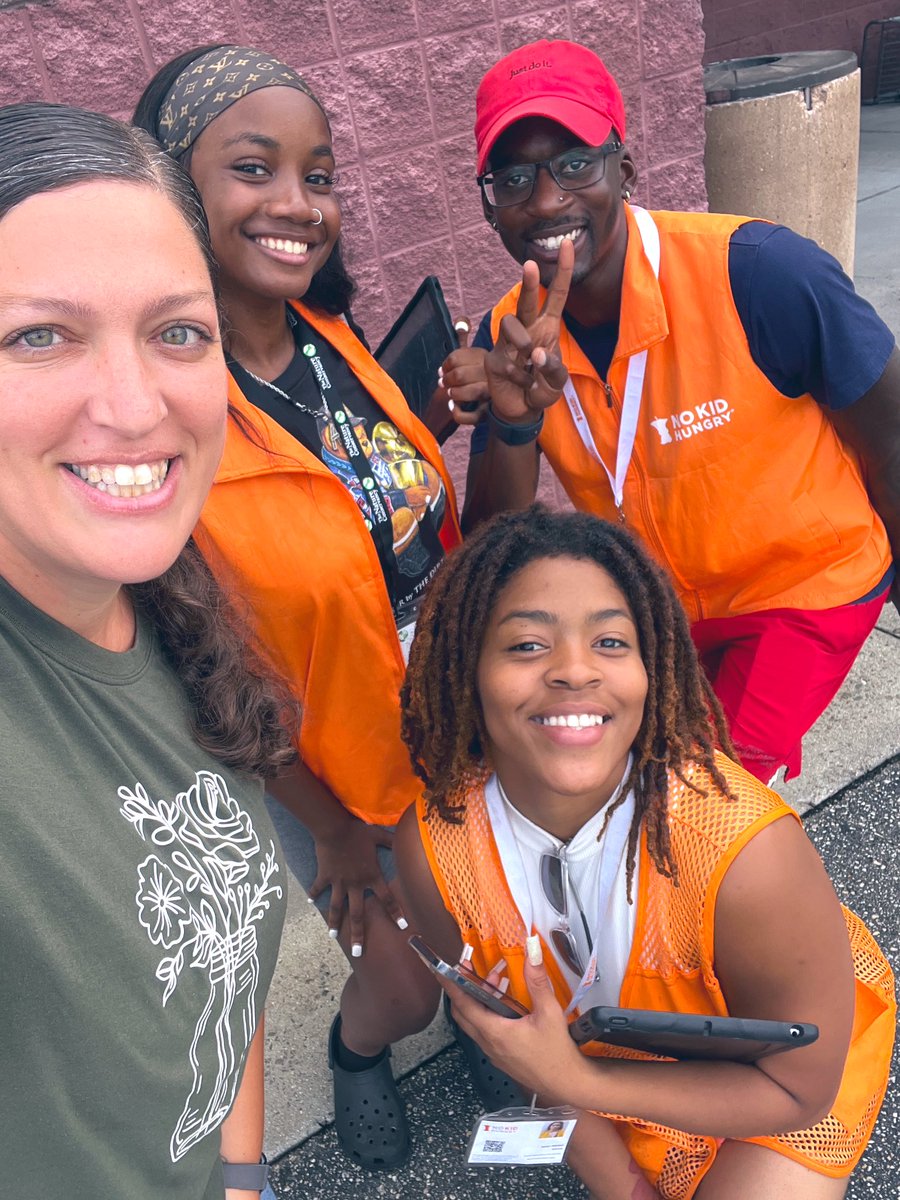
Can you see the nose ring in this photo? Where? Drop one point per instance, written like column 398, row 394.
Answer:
column 319, row 222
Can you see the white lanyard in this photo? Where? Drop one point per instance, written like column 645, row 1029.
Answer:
column 634, row 383
column 615, row 839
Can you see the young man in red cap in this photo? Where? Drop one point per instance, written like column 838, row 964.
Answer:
column 730, row 397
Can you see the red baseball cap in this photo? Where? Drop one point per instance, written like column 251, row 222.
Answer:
column 561, row 80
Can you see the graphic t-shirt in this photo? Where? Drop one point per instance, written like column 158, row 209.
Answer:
column 141, row 903
column 413, row 492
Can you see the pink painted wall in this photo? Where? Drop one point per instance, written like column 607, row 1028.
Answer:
column 398, row 78
column 741, row 28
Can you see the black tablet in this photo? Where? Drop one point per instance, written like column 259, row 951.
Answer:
column 691, row 1035
column 417, row 343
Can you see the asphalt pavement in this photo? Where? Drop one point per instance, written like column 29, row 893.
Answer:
column 849, row 792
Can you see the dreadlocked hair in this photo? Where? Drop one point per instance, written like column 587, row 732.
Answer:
column 442, row 722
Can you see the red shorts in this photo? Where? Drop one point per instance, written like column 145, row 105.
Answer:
column 775, row 673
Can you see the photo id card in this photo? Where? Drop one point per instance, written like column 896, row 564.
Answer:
column 522, row 1137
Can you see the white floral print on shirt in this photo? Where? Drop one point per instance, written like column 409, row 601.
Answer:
column 203, row 904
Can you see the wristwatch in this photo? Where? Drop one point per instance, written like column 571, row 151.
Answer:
column 514, row 435
column 246, row 1177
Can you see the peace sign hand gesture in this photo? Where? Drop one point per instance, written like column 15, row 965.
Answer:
column 525, row 373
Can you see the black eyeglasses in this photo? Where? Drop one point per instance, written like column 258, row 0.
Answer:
column 577, row 168
column 556, row 882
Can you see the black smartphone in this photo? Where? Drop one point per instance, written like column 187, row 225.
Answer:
column 473, row 985
column 691, row 1035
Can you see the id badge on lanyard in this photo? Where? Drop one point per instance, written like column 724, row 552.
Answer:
column 634, row 385
column 523, row 1137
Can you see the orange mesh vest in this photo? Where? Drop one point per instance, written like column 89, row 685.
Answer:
column 288, row 534
column 747, row 496
column 671, row 967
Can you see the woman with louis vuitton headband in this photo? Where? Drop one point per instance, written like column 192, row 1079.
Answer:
column 331, row 511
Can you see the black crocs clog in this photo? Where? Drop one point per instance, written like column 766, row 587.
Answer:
column 496, row 1090
column 369, row 1115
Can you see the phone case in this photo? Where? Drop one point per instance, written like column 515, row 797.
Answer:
column 473, row 985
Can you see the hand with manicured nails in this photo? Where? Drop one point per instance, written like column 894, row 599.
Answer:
column 349, row 865
column 536, row 1050
column 462, row 378
column 461, row 395
column 525, row 373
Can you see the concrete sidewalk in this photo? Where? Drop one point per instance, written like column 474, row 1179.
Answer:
column 860, row 731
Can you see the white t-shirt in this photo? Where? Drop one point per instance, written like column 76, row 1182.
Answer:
column 598, row 869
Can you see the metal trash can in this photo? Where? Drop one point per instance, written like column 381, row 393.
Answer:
column 782, row 142
column 879, row 61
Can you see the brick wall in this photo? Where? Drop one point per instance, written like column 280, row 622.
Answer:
column 741, row 28
column 398, row 78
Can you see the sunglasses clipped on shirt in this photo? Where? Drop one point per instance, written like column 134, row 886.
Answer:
column 555, row 884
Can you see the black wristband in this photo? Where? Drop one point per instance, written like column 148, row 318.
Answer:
column 514, row 435
column 246, row 1177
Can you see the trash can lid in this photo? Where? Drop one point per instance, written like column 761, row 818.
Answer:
column 769, row 74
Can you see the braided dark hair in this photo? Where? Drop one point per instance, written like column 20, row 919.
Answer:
column 443, row 725
column 331, row 289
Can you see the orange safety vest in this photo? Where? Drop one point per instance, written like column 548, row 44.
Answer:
column 672, row 962
column 747, row 496
column 288, row 535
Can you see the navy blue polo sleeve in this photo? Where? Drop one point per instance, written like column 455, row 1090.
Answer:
column 807, row 328
column 484, row 340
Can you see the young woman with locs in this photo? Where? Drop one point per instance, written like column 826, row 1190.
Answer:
column 584, row 835
column 331, row 511
column 141, row 891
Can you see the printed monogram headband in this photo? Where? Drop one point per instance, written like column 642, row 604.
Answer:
column 212, row 83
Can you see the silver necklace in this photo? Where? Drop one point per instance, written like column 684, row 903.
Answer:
column 310, row 412
column 273, row 387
